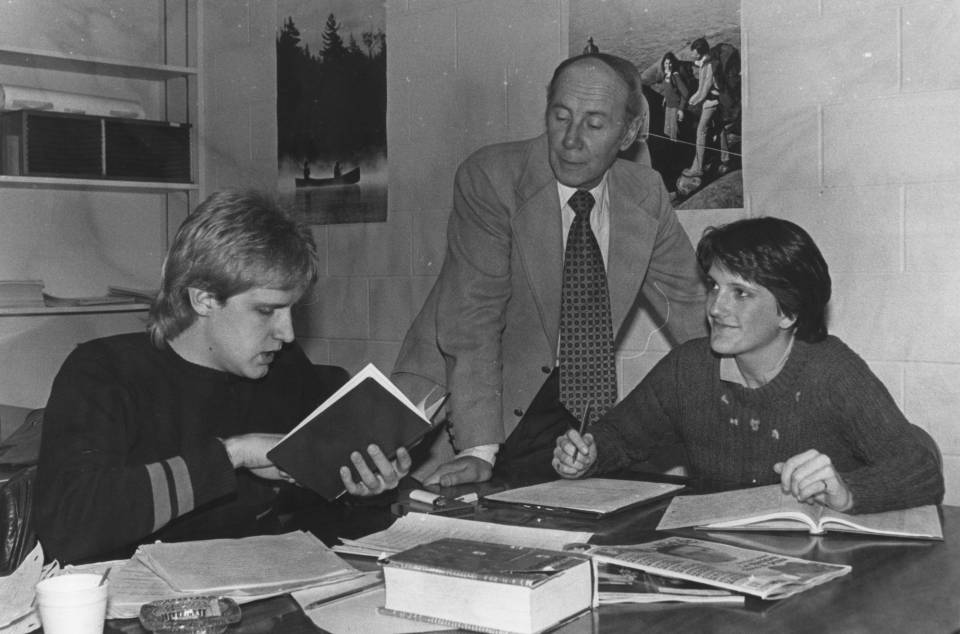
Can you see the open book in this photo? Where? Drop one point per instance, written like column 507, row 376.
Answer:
column 592, row 496
column 369, row 408
column 769, row 509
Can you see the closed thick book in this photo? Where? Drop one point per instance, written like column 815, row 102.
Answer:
column 488, row 587
column 595, row 497
column 368, row 409
column 769, row 509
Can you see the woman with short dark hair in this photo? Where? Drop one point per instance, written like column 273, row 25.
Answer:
column 769, row 397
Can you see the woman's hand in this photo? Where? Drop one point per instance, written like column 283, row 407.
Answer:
column 574, row 454
column 810, row 477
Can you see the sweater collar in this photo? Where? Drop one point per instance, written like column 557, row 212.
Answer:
column 730, row 371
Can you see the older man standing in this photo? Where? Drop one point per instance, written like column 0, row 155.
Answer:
column 552, row 244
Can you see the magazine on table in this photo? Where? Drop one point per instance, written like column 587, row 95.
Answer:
column 754, row 572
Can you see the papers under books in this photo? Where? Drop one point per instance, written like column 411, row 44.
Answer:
column 359, row 613
column 593, row 496
column 244, row 570
column 487, row 587
column 753, row 572
column 768, row 508
column 260, row 563
column 367, row 409
column 414, row 529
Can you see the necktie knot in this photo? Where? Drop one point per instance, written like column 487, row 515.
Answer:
column 581, row 202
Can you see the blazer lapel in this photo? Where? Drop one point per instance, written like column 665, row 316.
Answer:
column 632, row 236
column 538, row 231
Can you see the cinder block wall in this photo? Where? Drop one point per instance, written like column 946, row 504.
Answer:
column 851, row 128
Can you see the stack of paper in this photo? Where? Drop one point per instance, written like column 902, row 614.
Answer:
column 265, row 563
column 414, row 529
column 245, row 570
column 17, row 608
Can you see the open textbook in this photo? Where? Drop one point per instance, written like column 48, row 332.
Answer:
column 752, row 572
column 769, row 509
column 596, row 497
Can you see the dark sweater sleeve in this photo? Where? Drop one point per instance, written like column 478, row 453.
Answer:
column 644, row 421
column 902, row 466
column 92, row 499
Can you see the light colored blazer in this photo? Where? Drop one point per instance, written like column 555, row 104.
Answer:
column 488, row 330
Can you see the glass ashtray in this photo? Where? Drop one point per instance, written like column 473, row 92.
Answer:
column 190, row 615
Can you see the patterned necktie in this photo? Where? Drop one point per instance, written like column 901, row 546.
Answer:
column 588, row 373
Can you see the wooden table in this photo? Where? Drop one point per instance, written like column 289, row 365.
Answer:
column 901, row 586
column 896, row 585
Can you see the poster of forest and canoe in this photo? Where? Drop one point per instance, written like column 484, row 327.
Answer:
column 331, row 108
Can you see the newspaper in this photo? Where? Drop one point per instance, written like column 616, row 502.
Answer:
column 752, row 572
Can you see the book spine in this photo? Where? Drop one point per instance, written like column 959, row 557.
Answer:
column 517, row 579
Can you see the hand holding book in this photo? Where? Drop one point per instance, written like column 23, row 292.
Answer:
column 387, row 475
column 249, row 451
column 363, row 427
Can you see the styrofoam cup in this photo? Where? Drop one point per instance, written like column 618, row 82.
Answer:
column 72, row 604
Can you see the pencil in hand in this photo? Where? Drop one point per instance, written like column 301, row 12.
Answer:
column 583, row 428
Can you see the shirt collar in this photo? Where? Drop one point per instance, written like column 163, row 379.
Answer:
column 597, row 192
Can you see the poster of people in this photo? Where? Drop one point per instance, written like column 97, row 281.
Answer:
column 688, row 54
column 331, row 108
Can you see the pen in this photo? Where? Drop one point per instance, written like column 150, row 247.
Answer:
column 583, row 427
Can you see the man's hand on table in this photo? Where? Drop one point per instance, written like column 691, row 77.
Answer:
column 460, row 470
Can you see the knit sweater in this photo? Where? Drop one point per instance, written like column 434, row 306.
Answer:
column 824, row 398
column 130, row 450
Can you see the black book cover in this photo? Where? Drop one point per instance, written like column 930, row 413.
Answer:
column 348, row 421
column 487, row 561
